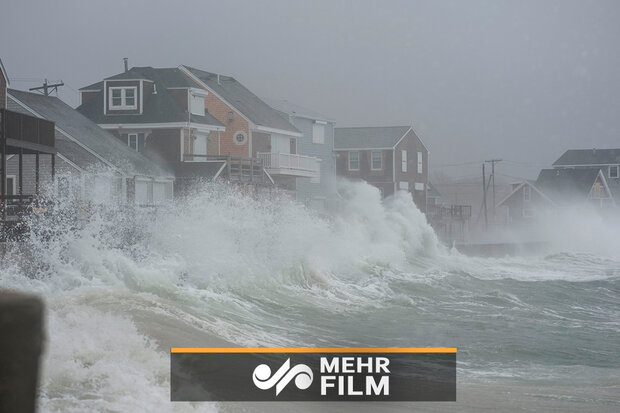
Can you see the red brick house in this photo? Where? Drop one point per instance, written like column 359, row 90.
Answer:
column 254, row 129
column 391, row 158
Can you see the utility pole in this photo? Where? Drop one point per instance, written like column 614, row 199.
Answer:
column 484, row 198
column 47, row 87
column 493, row 162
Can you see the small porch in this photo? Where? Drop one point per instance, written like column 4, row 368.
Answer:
column 23, row 136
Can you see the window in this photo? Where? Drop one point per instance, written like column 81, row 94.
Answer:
column 197, row 104
column 123, row 98
column 614, row 171
column 354, row 161
column 318, row 132
column 528, row 212
column 527, row 194
column 403, row 186
column 420, row 163
column 376, row 160
column 134, row 140
column 419, row 186
column 404, row 161
column 240, row 138
column 10, row 185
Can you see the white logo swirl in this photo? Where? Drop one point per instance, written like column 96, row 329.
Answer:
column 264, row 380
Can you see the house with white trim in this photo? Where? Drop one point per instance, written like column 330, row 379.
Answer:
column 391, row 158
column 255, row 129
column 90, row 163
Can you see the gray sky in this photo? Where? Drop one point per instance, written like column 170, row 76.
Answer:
column 520, row 80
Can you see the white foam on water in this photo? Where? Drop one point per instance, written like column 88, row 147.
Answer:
column 258, row 272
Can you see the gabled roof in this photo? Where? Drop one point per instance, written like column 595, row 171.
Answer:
column 573, row 157
column 292, row 109
column 529, row 183
column 157, row 108
column 90, row 137
column 94, row 86
column 567, row 183
column 243, row 100
column 382, row 137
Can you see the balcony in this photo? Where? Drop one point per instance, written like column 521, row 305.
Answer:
column 276, row 163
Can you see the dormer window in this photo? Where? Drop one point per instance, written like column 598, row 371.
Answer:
column 123, row 98
column 197, row 104
column 197, row 101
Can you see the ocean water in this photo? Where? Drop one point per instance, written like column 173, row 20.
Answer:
column 534, row 333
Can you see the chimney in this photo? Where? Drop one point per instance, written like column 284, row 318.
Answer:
column 126, row 62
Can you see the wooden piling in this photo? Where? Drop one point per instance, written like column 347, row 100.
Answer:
column 21, row 344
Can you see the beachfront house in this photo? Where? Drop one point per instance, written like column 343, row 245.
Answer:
column 254, row 129
column 608, row 160
column 391, row 158
column 317, row 142
column 91, row 163
column 558, row 187
column 27, row 147
column 161, row 113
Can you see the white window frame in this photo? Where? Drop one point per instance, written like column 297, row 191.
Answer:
column 617, row 169
column 318, row 132
column 357, row 160
column 136, row 135
column 403, row 186
column 403, row 158
column 420, row 163
column 372, row 162
column 245, row 138
column 419, row 186
column 197, row 104
column 14, row 180
column 527, row 194
column 123, row 105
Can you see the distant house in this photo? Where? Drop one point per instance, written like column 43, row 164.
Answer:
column 97, row 163
column 608, row 160
column 317, row 141
column 557, row 187
column 390, row 158
column 254, row 129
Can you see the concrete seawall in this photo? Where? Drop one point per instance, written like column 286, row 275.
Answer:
column 501, row 249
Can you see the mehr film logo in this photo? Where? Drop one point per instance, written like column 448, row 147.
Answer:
column 329, row 368
column 313, row 374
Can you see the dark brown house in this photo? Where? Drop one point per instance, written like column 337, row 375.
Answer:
column 391, row 158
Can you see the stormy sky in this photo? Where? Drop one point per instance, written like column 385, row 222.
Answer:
column 518, row 80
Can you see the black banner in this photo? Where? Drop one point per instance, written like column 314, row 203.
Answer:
column 313, row 374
